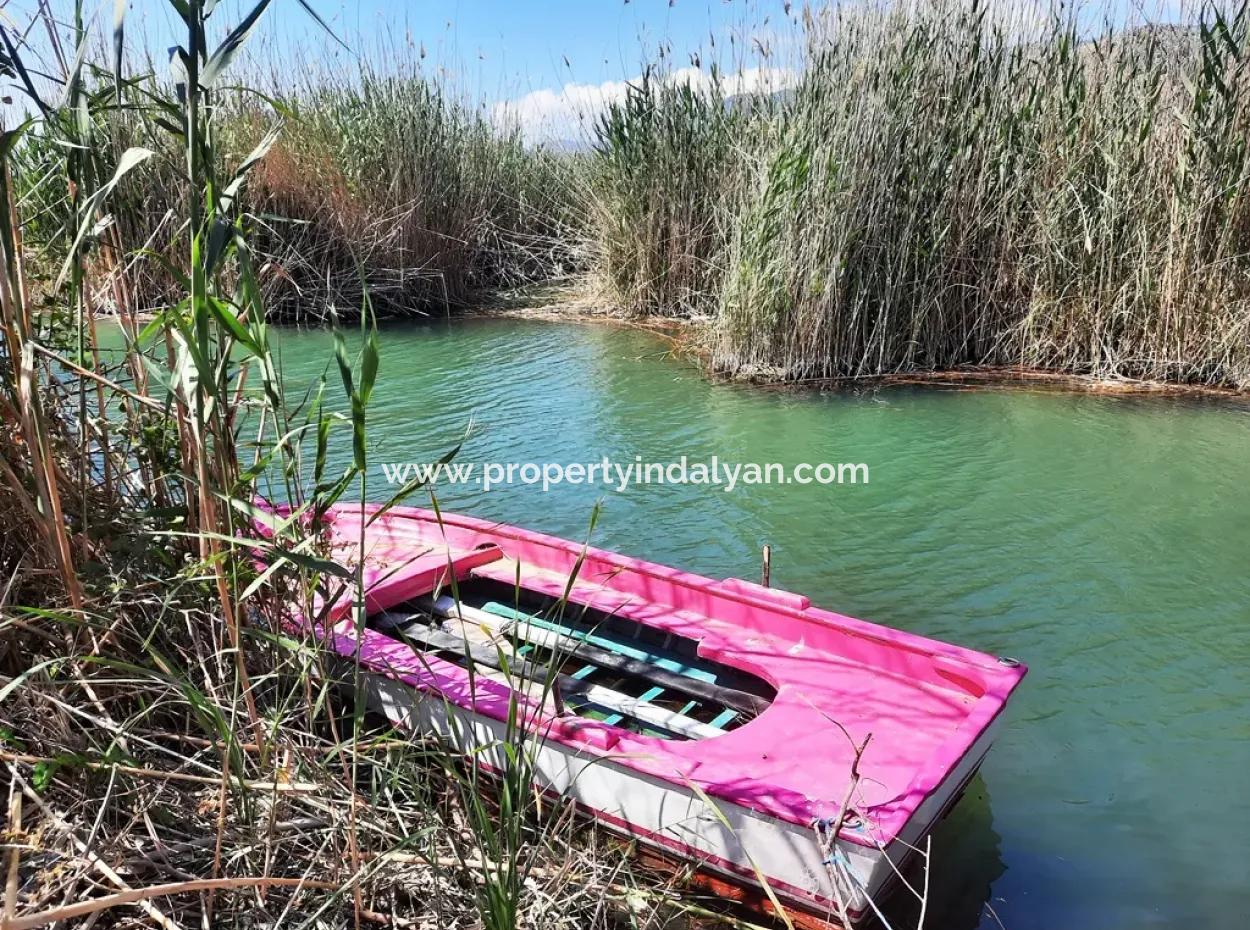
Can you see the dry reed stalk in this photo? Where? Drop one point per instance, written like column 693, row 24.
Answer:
column 84, row 850
column 141, row 897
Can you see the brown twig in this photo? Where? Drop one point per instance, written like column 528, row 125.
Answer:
column 141, row 896
column 84, row 850
column 15, row 852
column 266, row 785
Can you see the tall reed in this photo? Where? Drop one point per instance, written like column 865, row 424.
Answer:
column 379, row 179
column 963, row 184
column 664, row 165
column 171, row 738
column 951, row 183
column 390, row 172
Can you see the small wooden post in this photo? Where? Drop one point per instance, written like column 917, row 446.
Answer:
column 768, row 564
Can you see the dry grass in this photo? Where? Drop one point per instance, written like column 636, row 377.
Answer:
column 158, row 785
column 177, row 753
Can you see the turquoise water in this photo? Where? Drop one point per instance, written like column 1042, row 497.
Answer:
column 1103, row 540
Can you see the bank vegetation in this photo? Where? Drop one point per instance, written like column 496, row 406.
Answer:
column 943, row 184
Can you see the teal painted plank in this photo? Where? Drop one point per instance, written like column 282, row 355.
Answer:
column 643, row 654
column 723, row 718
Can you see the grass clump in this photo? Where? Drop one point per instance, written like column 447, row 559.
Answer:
column 390, row 181
column 379, row 181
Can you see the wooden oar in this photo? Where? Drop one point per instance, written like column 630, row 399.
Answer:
column 584, row 648
column 419, row 633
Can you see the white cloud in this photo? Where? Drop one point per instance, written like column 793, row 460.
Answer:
column 568, row 114
column 557, row 115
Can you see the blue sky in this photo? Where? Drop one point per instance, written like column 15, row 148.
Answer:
column 545, row 58
column 509, row 46
column 540, row 63
column 498, row 47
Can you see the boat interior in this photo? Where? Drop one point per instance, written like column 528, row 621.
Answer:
column 592, row 662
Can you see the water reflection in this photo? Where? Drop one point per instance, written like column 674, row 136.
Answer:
column 966, row 862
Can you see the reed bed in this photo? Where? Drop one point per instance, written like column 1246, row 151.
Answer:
column 389, row 180
column 953, row 184
column 381, row 181
column 176, row 752
column 665, row 158
column 950, row 183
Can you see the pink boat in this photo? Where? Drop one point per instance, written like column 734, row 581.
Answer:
column 721, row 723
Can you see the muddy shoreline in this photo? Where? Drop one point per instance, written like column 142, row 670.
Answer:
column 685, row 338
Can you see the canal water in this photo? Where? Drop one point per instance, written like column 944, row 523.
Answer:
column 1104, row 540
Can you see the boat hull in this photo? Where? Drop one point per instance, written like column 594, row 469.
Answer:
column 724, row 839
